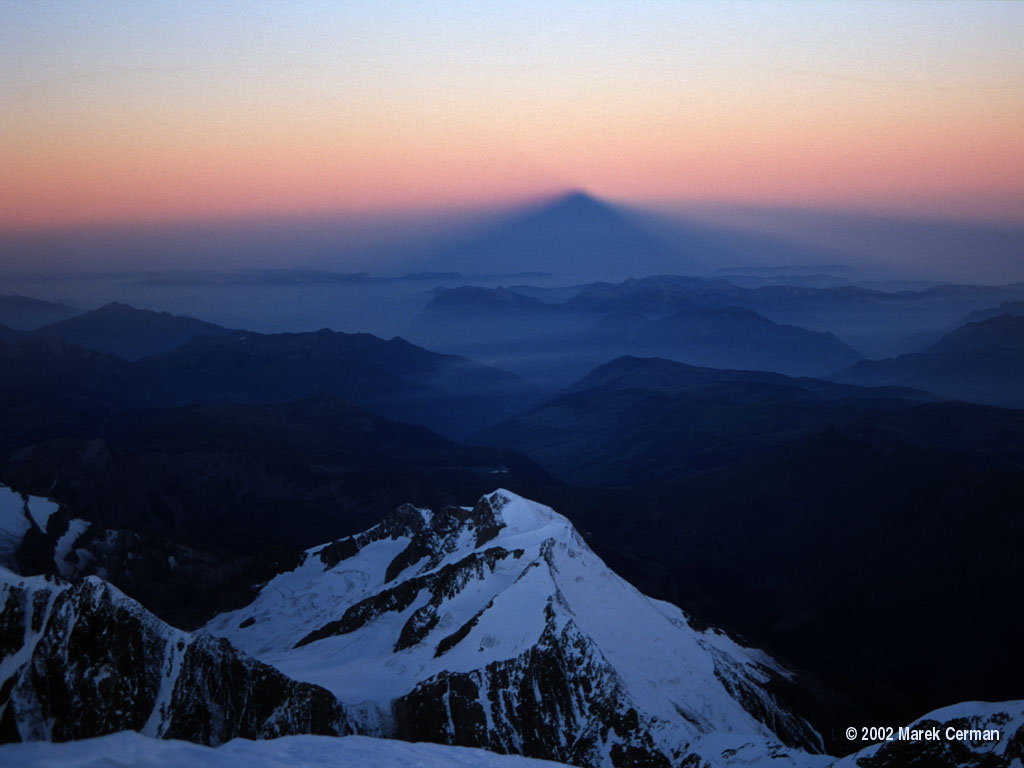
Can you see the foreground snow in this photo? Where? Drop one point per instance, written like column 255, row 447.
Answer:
column 130, row 748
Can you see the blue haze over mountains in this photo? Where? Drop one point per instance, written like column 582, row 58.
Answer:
column 785, row 438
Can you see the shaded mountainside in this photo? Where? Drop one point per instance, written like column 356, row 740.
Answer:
column 867, row 559
column 397, row 379
column 496, row 626
column 638, row 420
column 50, row 387
column 128, row 332
column 82, row 660
column 241, row 476
column 978, row 362
column 228, row 492
column 8, row 334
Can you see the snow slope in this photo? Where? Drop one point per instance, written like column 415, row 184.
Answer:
column 497, row 626
column 130, row 748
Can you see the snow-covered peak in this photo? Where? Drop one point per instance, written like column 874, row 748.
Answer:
column 522, row 514
column 504, row 604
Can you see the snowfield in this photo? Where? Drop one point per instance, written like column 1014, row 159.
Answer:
column 132, row 749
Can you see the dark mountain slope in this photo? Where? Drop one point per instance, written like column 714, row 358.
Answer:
column 128, row 332
column 887, row 568
column 646, row 419
column 47, row 385
column 449, row 394
column 246, row 477
column 8, row 334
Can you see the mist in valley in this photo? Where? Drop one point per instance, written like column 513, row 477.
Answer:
column 516, row 288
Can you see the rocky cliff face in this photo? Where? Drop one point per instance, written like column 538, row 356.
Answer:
column 83, row 660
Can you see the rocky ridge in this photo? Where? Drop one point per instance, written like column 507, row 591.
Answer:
column 82, row 660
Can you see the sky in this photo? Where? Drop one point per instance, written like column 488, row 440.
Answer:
column 128, row 112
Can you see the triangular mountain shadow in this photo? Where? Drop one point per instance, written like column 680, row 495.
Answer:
column 574, row 236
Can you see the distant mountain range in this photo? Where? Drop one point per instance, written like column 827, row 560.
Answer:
column 1011, row 308
column 873, row 321
column 981, row 362
column 714, row 323
column 556, row 343
column 120, row 330
column 127, row 332
column 53, row 382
